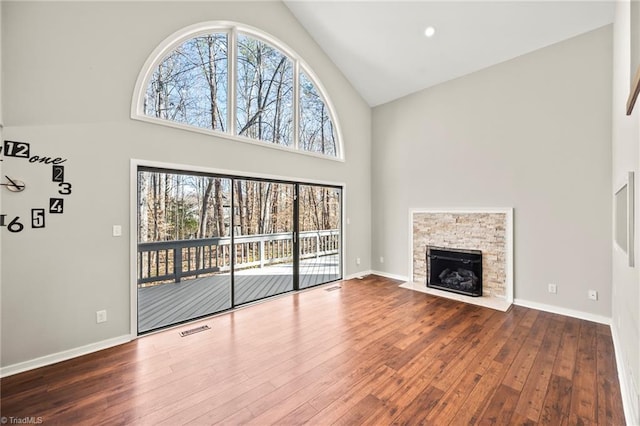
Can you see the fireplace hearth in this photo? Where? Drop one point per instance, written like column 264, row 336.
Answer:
column 455, row 270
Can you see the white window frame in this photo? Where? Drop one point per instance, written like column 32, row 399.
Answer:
column 232, row 29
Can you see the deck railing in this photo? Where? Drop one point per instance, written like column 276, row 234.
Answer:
column 170, row 261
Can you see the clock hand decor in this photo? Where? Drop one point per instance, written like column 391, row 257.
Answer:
column 14, row 185
column 21, row 152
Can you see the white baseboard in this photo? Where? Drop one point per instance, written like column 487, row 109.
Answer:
column 62, row 356
column 563, row 311
column 627, row 392
column 357, row 275
column 392, row 276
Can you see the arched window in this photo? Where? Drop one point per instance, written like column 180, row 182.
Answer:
column 189, row 85
column 235, row 81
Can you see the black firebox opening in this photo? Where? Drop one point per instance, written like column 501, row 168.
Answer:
column 456, row 270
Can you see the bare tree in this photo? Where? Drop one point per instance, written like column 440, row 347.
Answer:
column 219, row 202
column 204, row 208
column 265, row 88
column 143, row 211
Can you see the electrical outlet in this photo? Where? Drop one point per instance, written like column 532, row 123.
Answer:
column 101, row 316
column 593, row 295
column 552, row 288
column 357, row 260
column 381, row 259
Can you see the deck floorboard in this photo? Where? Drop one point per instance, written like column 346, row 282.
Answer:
column 166, row 304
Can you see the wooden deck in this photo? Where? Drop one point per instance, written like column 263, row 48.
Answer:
column 166, row 304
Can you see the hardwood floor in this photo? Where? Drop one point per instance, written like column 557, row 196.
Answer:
column 368, row 353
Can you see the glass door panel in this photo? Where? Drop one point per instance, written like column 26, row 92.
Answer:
column 262, row 239
column 207, row 243
column 184, row 247
column 320, row 235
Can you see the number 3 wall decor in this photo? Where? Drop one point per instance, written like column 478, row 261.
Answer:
column 21, row 151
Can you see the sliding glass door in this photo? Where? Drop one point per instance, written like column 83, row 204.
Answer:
column 320, row 234
column 262, row 239
column 184, row 247
column 208, row 243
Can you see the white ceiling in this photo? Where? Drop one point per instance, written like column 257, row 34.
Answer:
column 381, row 48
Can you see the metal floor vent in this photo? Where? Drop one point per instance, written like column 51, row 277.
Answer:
column 194, row 330
column 335, row 287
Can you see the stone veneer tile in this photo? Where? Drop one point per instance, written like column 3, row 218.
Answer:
column 471, row 231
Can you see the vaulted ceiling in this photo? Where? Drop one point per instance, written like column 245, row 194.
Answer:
column 382, row 49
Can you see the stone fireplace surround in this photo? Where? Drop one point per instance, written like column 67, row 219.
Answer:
column 488, row 230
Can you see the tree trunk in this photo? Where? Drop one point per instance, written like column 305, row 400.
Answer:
column 275, row 213
column 202, row 229
column 166, row 205
column 213, row 89
column 322, row 129
column 219, row 207
column 156, row 219
column 240, row 204
column 260, row 83
column 143, row 212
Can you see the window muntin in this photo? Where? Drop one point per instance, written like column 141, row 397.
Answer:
column 190, row 85
column 196, row 86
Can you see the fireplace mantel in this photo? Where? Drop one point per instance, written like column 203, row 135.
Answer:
column 486, row 229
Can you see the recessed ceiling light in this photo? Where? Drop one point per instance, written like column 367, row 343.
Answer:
column 429, row 31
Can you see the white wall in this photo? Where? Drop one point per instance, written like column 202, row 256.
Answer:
column 1, row 120
column 533, row 133
column 1, row 139
column 626, row 280
column 69, row 71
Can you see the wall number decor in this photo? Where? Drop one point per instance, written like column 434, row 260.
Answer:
column 60, row 188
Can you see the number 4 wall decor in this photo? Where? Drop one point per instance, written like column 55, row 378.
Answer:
column 17, row 221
